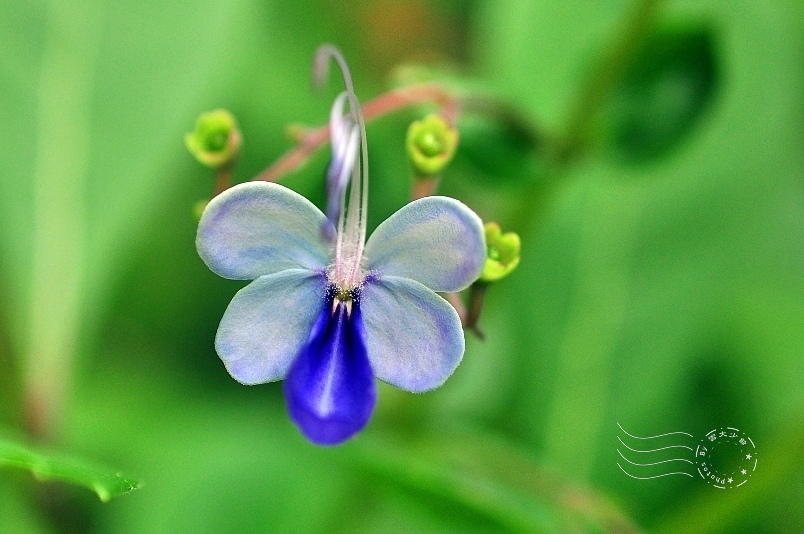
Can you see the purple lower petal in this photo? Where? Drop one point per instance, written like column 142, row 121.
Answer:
column 330, row 389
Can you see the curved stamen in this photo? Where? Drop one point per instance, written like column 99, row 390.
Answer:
column 352, row 233
column 344, row 135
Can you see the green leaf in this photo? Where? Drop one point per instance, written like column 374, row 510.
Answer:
column 48, row 467
column 667, row 86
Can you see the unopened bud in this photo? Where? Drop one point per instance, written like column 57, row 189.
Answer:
column 216, row 139
column 502, row 253
column 431, row 143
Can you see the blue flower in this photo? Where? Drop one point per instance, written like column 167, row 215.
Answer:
column 329, row 311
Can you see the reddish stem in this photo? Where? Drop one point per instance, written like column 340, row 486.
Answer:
column 457, row 303
column 382, row 105
column 225, row 172
column 477, row 296
column 424, row 187
column 222, row 183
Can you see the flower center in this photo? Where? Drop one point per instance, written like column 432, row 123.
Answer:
column 344, row 294
column 344, row 285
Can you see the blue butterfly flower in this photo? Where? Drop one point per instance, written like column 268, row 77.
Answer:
column 328, row 311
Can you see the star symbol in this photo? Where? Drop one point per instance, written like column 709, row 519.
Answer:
column 743, row 471
column 730, row 480
column 747, row 456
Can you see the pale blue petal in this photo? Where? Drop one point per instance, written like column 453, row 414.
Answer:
column 268, row 322
column 437, row 241
column 413, row 336
column 259, row 228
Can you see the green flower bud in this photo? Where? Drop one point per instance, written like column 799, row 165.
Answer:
column 502, row 253
column 431, row 143
column 216, row 139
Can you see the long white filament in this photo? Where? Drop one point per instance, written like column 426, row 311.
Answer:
column 344, row 157
column 351, row 225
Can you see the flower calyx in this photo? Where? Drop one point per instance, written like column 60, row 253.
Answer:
column 431, row 144
column 502, row 253
column 216, row 140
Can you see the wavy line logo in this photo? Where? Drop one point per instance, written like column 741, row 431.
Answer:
column 725, row 457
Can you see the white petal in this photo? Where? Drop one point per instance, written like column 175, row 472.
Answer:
column 267, row 323
column 437, row 241
column 413, row 337
column 259, row 228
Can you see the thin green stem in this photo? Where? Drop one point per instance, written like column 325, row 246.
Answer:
column 559, row 153
column 60, row 166
column 608, row 73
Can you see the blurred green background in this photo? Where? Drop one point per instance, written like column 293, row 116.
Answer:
column 657, row 185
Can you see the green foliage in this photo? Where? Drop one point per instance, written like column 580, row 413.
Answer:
column 669, row 83
column 48, row 467
column 645, row 289
column 658, row 287
column 500, row 150
column 494, row 479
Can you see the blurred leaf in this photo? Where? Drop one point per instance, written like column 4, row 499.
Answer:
column 538, row 53
column 99, row 106
column 22, row 27
column 659, row 295
column 78, row 472
column 226, row 460
column 500, row 150
column 493, row 478
column 19, row 515
column 779, row 473
column 667, row 86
